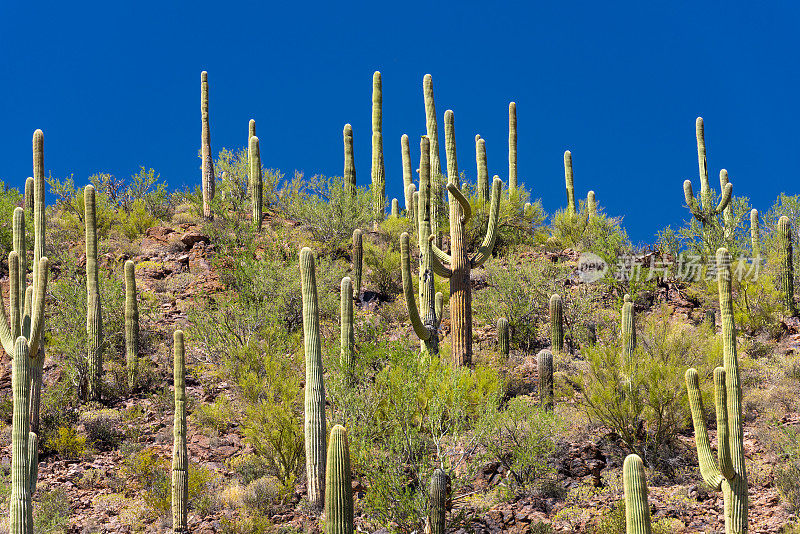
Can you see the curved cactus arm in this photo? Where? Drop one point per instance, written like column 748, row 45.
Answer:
column 708, row 467
column 466, row 209
column 727, row 193
column 486, row 248
column 408, row 290
column 440, row 254
column 25, row 328
column 37, row 311
column 723, row 434
column 637, row 511
column 438, row 307
column 691, row 201
column 438, row 257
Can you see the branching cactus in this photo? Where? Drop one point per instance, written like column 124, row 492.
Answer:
column 628, row 328
column 457, row 265
column 483, row 169
column 591, row 205
column 378, row 168
column 503, row 337
column 338, row 485
column 94, row 316
column 427, row 327
column 544, row 362
column 131, row 324
column 436, row 176
column 205, row 148
column 727, row 213
column 570, row 181
column 634, row 483
column 728, row 474
column 755, row 233
column 349, row 160
column 358, row 262
column 703, row 208
column 787, row 266
column 347, row 336
column 557, row 323
column 440, row 497
column 315, row 433
column 512, row 148
column 180, row 452
column 256, row 182
column 408, row 181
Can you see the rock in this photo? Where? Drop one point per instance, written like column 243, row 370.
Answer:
column 192, row 237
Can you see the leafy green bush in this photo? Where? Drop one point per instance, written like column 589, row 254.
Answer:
column 787, row 471
column 382, row 268
column 613, row 522
column 67, row 444
column 9, row 199
column 233, row 191
column 516, row 225
column 52, row 514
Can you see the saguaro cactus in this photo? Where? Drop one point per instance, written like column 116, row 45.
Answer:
column 94, row 316
column 755, row 233
column 570, row 181
column 251, row 131
column 457, row 265
column 256, row 182
column 628, row 328
column 483, row 170
column 349, row 160
column 358, row 258
column 338, row 486
column 315, row 433
column 440, row 496
column 637, row 511
column 180, row 452
column 205, row 148
column 405, row 150
column 378, row 168
column 395, row 208
column 131, row 324
column 503, row 337
column 730, row 473
column 427, row 328
column 347, row 336
column 512, row 148
column 544, row 361
column 437, row 179
column 787, row 266
column 591, row 205
column 556, row 323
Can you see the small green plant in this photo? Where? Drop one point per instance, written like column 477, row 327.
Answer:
column 52, row 514
column 67, row 444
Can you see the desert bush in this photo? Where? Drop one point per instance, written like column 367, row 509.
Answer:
column 233, row 192
column 382, row 268
column 612, row 521
column 102, row 428
column 58, row 409
column 52, row 514
column 67, row 444
column 9, row 199
column 69, row 212
column 786, row 441
column 217, row 415
column 515, row 225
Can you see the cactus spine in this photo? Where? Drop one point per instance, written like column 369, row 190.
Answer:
column 338, row 488
column 591, row 205
column 787, row 267
column 347, row 337
column 131, row 324
column 94, row 316
column 570, row 181
column 755, row 233
column 349, row 160
column 483, row 170
column 437, row 178
column 557, row 323
column 315, row 433
column 440, row 495
column 205, row 148
column 512, row 148
column 405, row 150
column 544, row 363
column 180, row 452
column 456, row 265
column 637, row 511
column 358, row 257
column 256, row 182
column 730, row 473
column 378, row 169
column 628, row 328
column 502, row 337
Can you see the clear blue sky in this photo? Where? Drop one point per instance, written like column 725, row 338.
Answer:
column 115, row 85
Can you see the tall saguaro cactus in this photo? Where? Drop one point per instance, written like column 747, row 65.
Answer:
column 94, row 316
column 338, row 485
column 405, row 151
column 349, row 160
column 628, row 328
column 544, row 362
column 205, row 148
column 503, row 337
column 347, row 336
column 437, row 178
column 378, row 168
column 787, row 266
column 21, row 338
column 483, row 170
column 256, row 182
column 440, row 496
column 35, row 209
column 426, row 328
column 512, row 147
column 180, row 451
column 570, row 182
column 315, row 433
column 557, row 323
column 358, row 259
column 131, row 324
column 457, row 265
column 637, row 511
column 728, row 474
column 755, row 233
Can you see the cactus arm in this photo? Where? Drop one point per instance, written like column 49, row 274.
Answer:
column 20, row 506
column 408, row 290
column 726, row 198
column 637, row 511
column 256, row 182
column 346, row 336
column 37, row 311
column 691, row 201
column 439, row 260
column 708, row 467
column 486, row 248
column 755, row 232
column 33, row 460
column 466, row 209
column 723, row 434
column 13, row 294
column 438, row 307
column 6, row 339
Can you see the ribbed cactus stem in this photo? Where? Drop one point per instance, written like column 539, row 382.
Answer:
column 338, row 486
column 395, row 208
column 702, row 163
column 570, row 181
column 503, row 337
column 205, row 148
column 20, row 505
column 591, row 205
column 483, row 169
column 94, row 317
column 349, row 160
column 755, row 233
column 628, row 328
column 256, row 182
column 358, row 262
column 251, row 131
column 439, row 498
column 557, row 323
column 424, row 229
column 787, row 265
column 634, row 483
column 378, row 168
column 411, row 212
column 727, row 212
column 425, row 328
column 405, row 151
column 436, row 176
column 544, row 363
column 347, row 336
column 415, row 216
column 33, row 460
column 180, row 452
column 512, row 148
column 315, row 433
column 131, row 324
column 29, row 194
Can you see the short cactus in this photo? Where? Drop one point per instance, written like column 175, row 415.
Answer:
column 131, row 324
column 637, row 511
column 395, row 208
column 358, row 261
column 755, row 233
column 29, row 195
column 94, row 316
column 628, row 328
column 512, row 147
column 405, row 150
column 439, row 499
column 787, row 266
column 205, row 148
column 591, row 205
column 556, row 323
column 483, row 170
column 378, row 168
column 436, row 176
column 570, row 181
column 349, row 160
column 338, row 485
column 315, row 433
column 256, row 182
column 544, row 362
column 503, row 337
column 347, row 336
column 180, row 451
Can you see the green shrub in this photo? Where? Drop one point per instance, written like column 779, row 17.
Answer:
column 382, row 269
column 613, row 522
column 217, row 415
column 58, row 409
column 52, row 514
column 233, row 192
column 102, row 429
column 9, row 199
column 786, row 472
column 515, row 225
column 67, row 444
